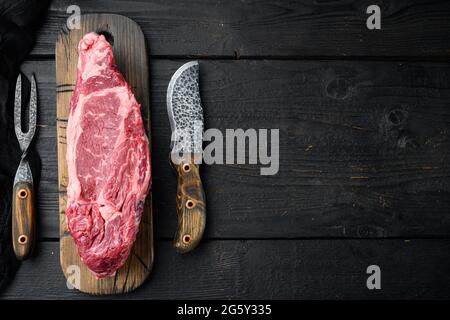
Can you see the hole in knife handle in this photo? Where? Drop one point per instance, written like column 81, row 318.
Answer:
column 23, row 193
column 190, row 204
column 186, row 167
column 23, row 239
column 186, row 238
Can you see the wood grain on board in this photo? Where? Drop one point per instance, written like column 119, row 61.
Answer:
column 364, row 149
column 130, row 54
column 273, row 28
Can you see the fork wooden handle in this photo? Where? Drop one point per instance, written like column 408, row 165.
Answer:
column 23, row 220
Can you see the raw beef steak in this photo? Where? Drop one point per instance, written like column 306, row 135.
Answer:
column 108, row 160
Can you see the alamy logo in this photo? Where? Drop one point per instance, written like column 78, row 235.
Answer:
column 237, row 144
column 374, row 280
column 374, row 20
column 73, row 277
column 73, row 22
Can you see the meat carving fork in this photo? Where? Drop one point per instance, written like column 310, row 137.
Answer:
column 23, row 215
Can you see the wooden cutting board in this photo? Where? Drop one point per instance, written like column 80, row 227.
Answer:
column 130, row 54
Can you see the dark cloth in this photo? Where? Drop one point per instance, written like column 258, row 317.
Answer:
column 19, row 21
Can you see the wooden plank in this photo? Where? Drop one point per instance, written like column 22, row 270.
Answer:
column 266, row 269
column 273, row 28
column 130, row 54
column 349, row 166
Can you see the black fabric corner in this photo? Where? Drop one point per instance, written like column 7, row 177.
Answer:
column 19, row 21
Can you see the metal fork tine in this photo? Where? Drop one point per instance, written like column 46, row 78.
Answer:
column 33, row 107
column 18, row 103
column 25, row 138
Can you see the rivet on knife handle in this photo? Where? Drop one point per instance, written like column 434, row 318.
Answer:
column 190, row 207
column 23, row 221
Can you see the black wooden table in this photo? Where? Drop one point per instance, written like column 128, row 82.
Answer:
column 364, row 119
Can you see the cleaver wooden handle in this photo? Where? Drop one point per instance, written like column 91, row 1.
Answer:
column 191, row 209
column 23, row 220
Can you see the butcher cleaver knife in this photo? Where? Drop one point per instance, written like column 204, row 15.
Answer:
column 186, row 121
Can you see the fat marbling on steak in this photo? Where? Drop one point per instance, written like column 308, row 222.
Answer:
column 108, row 160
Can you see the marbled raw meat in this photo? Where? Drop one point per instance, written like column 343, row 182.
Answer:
column 108, row 160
